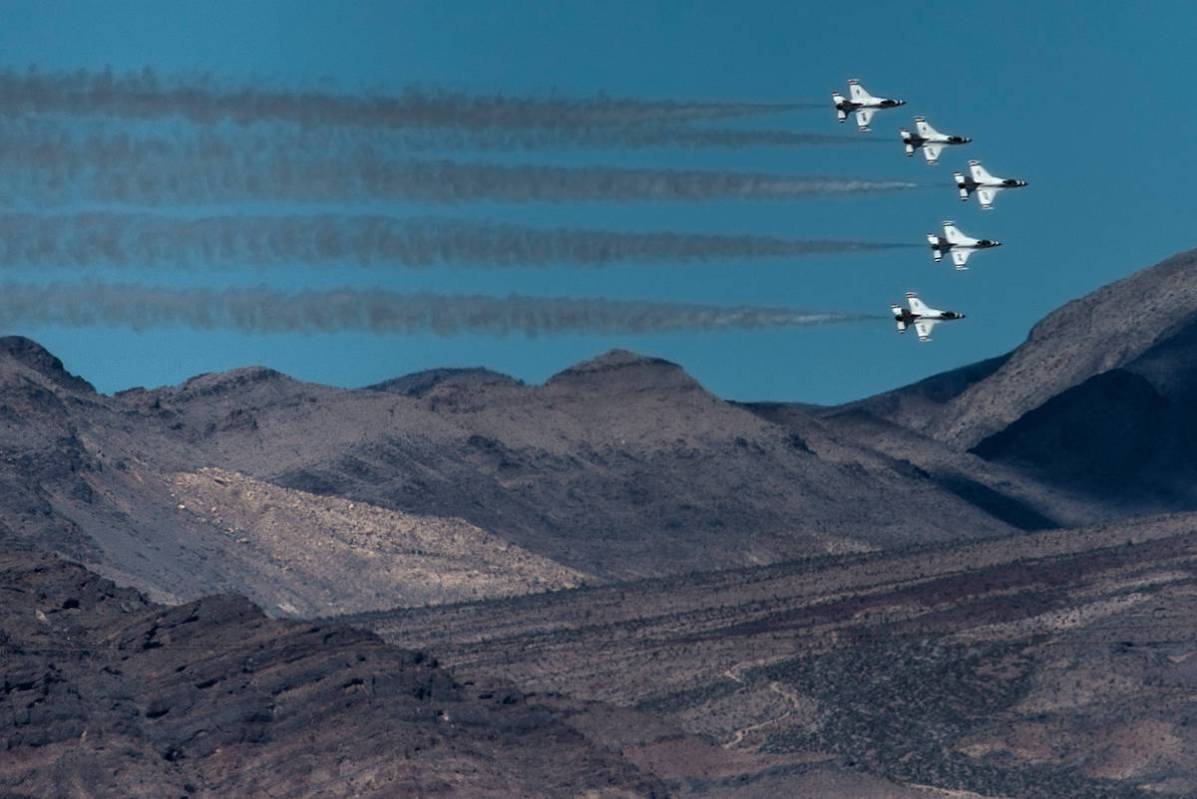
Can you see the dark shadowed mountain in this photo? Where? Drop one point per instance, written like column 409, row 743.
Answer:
column 1128, row 434
column 107, row 694
column 1094, row 405
column 1101, row 331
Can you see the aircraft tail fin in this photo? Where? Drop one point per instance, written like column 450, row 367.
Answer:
column 953, row 234
column 980, row 174
column 917, row 306
column 925, row 130
column 858, row 92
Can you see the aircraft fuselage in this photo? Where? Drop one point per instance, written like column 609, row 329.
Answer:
column 1000, row 183
column 918, row 141
column 942, row 245
column 909, row 317
column 855, row 105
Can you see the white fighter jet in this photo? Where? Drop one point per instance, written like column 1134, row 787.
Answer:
column 930, row 140
column 959, row 245
column 922, row 316
column 863, row 103
column 984, row 184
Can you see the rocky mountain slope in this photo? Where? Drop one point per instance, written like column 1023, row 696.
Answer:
column 1041, row 666
column 107, row 694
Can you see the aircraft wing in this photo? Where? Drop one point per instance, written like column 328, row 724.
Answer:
column 924, row 327
column 931, row 151
column 857, row 92
column 960, row 258
column 863, row 117
column 986, row 195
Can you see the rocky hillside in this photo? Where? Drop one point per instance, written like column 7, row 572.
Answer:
column 107, row 694
column 406, row 559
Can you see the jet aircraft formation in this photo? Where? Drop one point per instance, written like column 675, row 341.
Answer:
column 977, row 181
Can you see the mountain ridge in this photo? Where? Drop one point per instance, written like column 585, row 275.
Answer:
column 619, row 467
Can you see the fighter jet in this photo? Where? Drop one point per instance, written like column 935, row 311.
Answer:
column 984, row 184
column 929, row 139
column 959, row 245
column 863, row 103
column 923, row 317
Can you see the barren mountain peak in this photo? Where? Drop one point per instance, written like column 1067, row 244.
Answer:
column 31, row 355
column 619, row 358
column 234, row 380
column 623, row 369
column 417, row 384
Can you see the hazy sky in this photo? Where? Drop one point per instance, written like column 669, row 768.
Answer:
column 1091, row 102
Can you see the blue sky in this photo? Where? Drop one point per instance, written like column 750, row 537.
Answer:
column 1093, row 103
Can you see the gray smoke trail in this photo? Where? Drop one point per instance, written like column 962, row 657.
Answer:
column 202, row 99
column 626, row 137
column 103, row 238
column 50, row 145
column 365, row 175
column 261, row 310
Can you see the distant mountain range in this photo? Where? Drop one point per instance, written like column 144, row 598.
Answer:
column 619, row 549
